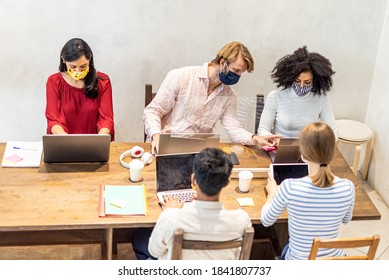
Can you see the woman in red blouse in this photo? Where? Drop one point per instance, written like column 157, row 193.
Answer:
column 78, row 98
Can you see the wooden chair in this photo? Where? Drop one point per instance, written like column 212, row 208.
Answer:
column 244, row 243
column 371, row 242
column 149, row 96
column 258, row 111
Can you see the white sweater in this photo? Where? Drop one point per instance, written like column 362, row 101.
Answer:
column 286, row 114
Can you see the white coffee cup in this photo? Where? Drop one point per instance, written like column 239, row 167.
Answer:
column 136, row 167
column 245, row 178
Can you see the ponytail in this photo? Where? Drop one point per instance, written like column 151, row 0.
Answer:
column 317, row 144
column 324, row 177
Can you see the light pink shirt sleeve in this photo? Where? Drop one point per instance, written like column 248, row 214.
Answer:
column 161, row 105
column 234, row 129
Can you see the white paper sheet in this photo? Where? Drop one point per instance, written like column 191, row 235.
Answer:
column 245, row 201
column 22, row 154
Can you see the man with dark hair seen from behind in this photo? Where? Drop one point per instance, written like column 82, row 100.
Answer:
column 203, row 219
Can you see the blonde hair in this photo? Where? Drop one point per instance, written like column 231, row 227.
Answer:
column 317, row 144
column 230, row 53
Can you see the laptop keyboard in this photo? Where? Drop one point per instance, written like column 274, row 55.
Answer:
column 186, row 196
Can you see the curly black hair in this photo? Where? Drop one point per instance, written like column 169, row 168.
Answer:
column 289, row 67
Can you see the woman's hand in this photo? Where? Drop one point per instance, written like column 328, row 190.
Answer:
column 271, row 186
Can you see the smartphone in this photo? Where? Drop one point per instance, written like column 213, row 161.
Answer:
column 233, row 158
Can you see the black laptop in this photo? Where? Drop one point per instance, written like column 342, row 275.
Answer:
column 173, row 176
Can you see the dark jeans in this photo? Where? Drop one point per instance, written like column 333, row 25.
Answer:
column 140, row 243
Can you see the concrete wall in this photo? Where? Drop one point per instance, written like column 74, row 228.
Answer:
column 378, row 118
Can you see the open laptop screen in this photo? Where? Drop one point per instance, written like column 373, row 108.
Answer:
column 173, row 172
column 68, row 148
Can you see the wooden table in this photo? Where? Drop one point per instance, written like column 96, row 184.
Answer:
column 58, row 203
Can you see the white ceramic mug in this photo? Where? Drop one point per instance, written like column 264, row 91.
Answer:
column 245, row 178
column 136, row 167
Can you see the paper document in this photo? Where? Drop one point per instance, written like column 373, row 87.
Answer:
column 22, row 154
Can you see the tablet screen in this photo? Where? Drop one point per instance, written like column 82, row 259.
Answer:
column 282, row 171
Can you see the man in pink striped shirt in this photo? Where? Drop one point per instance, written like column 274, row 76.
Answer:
column 192, row 99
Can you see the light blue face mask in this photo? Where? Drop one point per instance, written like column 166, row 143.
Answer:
column 230, row 78
column 301, row 91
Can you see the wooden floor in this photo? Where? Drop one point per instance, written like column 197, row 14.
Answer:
column 63, row 252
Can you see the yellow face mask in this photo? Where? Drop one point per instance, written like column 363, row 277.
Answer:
column 78, row 75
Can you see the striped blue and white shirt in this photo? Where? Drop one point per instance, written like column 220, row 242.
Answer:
column 312, row 212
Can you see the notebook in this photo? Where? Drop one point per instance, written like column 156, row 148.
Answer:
column 288, row 151
column 67, row 148
column 282, row 171
column 176, row 143
column 122, row 200
column 173, row 176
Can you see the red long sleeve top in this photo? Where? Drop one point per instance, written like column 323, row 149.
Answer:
column 68, row 106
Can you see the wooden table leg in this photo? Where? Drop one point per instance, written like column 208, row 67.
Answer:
column 109, row 240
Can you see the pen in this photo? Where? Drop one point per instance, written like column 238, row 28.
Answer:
column 26, row 149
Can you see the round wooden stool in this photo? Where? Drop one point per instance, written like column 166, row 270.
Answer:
column 357, row 134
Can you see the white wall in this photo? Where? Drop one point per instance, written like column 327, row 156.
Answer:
column 139, row 41
column 378, row 119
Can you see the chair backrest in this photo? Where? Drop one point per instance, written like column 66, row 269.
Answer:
column 243, row 243
column 342, row 243
column 149, row 96
column 258, row 110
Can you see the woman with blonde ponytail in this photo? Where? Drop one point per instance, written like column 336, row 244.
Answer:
column 318, row 203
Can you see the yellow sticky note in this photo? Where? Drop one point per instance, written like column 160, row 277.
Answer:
column 120, row 203
column 245, row 201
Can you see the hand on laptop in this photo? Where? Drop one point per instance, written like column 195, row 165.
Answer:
column 171, row 202
column 154, row 143
column 104, row 131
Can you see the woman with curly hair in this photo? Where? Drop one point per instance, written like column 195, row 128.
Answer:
column 304, row 78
